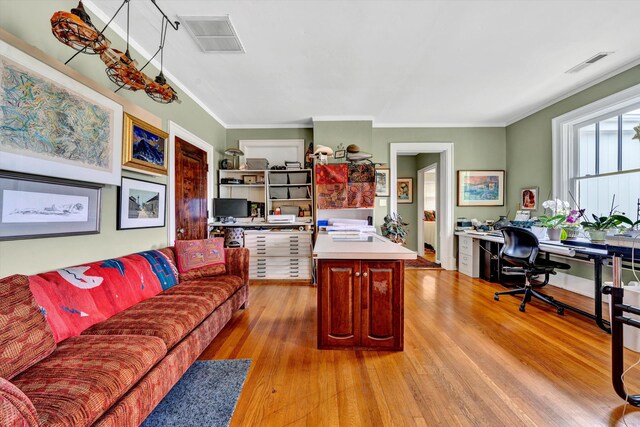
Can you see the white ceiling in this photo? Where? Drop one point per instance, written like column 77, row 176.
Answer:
column 416, row 63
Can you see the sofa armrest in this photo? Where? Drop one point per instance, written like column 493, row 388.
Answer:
column 15, row 407
column 237, row 263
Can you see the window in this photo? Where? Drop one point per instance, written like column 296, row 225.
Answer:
column 609, row 164
column 595, row 156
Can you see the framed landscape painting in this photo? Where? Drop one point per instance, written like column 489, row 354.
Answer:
column 141, row 204
column 144, row 147
column 51, row 122
column 481, row 188
column 34, row 206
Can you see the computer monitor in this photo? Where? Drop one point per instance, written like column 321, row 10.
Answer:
column 226, row 210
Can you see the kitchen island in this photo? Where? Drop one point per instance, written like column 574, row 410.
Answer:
column 360, row 292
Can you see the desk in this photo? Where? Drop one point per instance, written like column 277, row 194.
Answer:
column 596, row 253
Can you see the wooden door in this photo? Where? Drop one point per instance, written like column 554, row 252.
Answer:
column 191, row 191
column 382, row 304
column 338, row 303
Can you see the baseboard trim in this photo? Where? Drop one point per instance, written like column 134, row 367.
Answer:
column 578, row 285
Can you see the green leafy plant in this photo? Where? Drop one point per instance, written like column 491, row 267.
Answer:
column 394, row 228
column 552, row 221
column 607, row 222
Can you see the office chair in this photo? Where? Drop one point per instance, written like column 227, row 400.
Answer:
column 520, row 252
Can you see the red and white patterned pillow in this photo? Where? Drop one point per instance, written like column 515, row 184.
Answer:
column 192, row 254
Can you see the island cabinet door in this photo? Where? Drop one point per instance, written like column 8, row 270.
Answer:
column 382, row 304
column 339, row 303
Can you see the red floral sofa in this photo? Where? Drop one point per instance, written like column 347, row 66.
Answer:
column 101, row 344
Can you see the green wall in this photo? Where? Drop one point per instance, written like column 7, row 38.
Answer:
column 529, row 147
column 234, row 135
column 409, row 211
column 29, row 20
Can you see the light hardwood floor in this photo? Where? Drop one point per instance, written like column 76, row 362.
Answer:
column 468, row 361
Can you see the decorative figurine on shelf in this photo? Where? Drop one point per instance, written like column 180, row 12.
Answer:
column 308, row 156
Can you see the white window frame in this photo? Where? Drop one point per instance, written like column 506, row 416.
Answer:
column 564, row 135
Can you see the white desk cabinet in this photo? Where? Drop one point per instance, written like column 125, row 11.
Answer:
column 279, row 254
column 469, row 256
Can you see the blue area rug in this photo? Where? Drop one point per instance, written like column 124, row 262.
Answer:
column 205, row 396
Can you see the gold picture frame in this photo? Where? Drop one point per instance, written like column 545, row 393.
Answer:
column 144, row 147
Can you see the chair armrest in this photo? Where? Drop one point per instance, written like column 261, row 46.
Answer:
column 15, row 407
column 237, row 263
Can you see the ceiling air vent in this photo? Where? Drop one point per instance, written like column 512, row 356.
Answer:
column 213, row 34
column 595, row 58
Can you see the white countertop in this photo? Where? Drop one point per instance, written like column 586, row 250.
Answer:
column 328, row 247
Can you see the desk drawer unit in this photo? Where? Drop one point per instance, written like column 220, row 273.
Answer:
column 468, row 256
column 279, row 255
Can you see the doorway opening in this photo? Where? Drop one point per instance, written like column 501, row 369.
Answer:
column 428, row 213
column 445, row 192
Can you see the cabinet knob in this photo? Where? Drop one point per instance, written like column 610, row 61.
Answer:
column 365, row 274
column 357, row 274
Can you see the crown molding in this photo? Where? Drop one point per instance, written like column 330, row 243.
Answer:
column 439, row 125
column 342, row 119
column 273, row 126
column 572, row 92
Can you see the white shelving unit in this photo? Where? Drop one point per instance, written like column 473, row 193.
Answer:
column 252, row 192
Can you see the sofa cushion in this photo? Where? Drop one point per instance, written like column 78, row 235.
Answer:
column 25, row 336
column 75, row 298
column 216, row 289
column 16, row 409
column 86, row 375
column 202, row 272
column 199, row 253
column 169, row 317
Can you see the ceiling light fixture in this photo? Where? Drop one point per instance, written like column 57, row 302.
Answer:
column 76, row 30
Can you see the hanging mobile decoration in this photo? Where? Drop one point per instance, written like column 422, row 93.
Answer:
column 159, row 90
column 121, row 69
column 76, row 30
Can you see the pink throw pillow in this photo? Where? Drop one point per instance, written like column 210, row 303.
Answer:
column 199, row 253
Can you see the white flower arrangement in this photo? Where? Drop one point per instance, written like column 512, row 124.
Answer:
column 557, row 207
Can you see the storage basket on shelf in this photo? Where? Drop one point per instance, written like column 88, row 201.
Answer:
column 298, row 192
column 289, row 210
column 257, row 164
column 277, row 178
column 278, row 193
column 297, row 177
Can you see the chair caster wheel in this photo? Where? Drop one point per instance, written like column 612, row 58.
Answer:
column 496, row 297
column 560, row 311
column 522, row 308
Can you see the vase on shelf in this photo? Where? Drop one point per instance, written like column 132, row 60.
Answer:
column 571, row 232
column 597, row 236
column 554, row 233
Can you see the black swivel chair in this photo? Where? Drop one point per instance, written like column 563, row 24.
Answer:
column 519, row 253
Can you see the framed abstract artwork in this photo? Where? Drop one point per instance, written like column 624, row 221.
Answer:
column 35, row 206
column 481, row 188
column 141, row 204
column 529, row 198
column 405, row 190
column 144, row 147
column 55, row 125
column 382, row 183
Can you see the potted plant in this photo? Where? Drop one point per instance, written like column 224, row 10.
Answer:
column 553, row 224
column 571, row 226
column 395, row 229
column 597, row 229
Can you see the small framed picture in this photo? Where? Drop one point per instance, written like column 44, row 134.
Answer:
column 141, row 204
column 405, row 190
column 382, row 183
column 339, row 154
column 144, row 147
column 250, row 179
column 529, row 198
